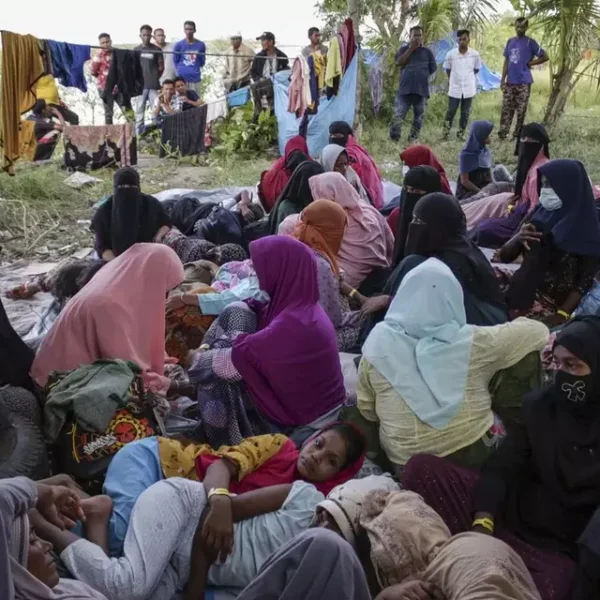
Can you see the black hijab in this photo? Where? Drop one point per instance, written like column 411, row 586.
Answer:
column 578, row 422
column 339, row 132
column 442, row 233
column 296, row 193
column 127, row 209
column 295, row 159
column 527, row 152
column 423, row 178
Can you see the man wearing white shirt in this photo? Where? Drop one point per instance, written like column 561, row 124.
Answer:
column 462, row 65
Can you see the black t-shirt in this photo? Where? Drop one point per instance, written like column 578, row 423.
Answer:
column 150, row 57
column 191, row 95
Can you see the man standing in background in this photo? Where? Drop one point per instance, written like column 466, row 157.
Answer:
column 238, row 63
column 169, row 71
column 521, row 53
column 266, row 63
column 462, row 65
column 151, row 60
column 190, row 57
column 315, row 46
column 100, row 68
column 417, row 64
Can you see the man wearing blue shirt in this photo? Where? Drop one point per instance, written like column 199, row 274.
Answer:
column 190, row 57
column 417, row 64
column 521, row 53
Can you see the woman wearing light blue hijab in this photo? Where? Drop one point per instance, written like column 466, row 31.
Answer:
column 424, row 374
column 475, row 161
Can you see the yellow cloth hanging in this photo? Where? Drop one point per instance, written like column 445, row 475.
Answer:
column 27, row 143
column 47, row 90
column 334, row 62
column 319, row 61
column 21, row 68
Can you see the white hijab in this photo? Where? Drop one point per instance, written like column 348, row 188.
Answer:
column 29, row 587
column 423, row 347
column 329, row 157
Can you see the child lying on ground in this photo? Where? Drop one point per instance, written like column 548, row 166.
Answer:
column 330, row 457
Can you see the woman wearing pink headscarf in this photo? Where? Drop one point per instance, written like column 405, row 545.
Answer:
column 120, row 313
column 368, row 243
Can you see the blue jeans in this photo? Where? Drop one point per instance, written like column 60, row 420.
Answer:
column 402, row 105
column 147, row 97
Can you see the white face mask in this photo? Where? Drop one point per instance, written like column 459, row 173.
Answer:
column 405, row 170
column 549, row 199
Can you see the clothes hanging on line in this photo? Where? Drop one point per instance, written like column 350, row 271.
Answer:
column 27, row 142
column 67, row 63
column 333, row 72
column 184, row 132
column 216, row 110
column 46, row 57
column 21, row 67
column 347, row 41
column 97, row 146
column 376, row 83
column 299, row 91
column 126, row 75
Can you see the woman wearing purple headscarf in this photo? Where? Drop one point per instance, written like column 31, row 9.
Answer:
column 274, row 366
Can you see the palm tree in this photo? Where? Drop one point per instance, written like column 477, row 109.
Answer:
column 570, row 28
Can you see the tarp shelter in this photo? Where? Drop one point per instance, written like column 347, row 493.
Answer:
column 338, row 108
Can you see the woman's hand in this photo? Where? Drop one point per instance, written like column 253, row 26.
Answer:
column 59, row 505
column 160, row 234
column 528, row 235
column 375, row 304
column 217, row 531
column 411, row 590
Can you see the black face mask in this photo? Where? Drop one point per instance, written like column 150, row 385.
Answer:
column 575, row 392
column 417, row 240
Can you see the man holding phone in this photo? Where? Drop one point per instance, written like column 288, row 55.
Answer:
column 417, row 64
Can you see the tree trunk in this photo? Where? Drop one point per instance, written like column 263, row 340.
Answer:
column 561, row 88
column 354, row 14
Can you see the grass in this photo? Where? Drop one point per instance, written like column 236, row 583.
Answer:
column 44, row 211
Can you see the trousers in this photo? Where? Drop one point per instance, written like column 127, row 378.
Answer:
column 465, row 111
column 147, row 97
column 515, row 100
column 402, row 105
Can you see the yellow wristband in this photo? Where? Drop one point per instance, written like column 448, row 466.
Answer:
column 219, row 492
column 563, row 313
column 352, row 293
column 486, row 523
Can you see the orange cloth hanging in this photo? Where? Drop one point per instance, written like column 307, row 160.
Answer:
column 21, row 68
column 27, row 143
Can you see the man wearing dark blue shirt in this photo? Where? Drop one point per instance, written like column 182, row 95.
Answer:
column 417, row 64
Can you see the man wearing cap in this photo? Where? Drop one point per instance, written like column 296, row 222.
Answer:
column 237, row 65
column 266, row 63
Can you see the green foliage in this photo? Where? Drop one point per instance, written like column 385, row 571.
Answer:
column 241, row 134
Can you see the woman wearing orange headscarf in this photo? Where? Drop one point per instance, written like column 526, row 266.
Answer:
column 321, row 226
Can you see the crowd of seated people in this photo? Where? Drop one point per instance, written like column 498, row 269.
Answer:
column 318, row 404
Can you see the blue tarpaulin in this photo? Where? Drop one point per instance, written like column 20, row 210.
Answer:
column 339, row 108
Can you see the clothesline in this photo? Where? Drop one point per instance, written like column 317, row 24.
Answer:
column 150, row 51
